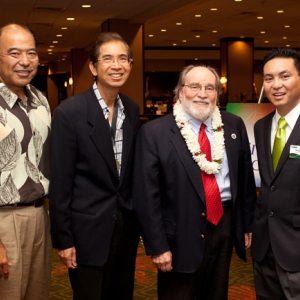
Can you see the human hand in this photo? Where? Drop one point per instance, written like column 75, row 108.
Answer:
column 163, row 261
column 248, row 240
column 68, row 257
column 4, row 262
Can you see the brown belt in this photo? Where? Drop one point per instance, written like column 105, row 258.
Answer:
column 36, row 203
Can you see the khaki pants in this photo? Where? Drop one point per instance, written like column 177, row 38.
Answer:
column 25, row 232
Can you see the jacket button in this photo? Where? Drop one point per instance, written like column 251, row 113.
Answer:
column 202, row 236
column 272, row 188
column 115, row 217
column 271, row 214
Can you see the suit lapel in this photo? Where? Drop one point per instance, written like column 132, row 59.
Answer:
column 231, row 148
column 191, row 167
column 99, row 133
column 127, row 142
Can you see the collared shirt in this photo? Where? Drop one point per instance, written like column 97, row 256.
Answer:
column 117, row 142
column 24, row 146
column 222, row 177
column 291, row 119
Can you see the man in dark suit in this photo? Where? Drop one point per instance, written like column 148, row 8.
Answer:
column 176, row 186
column 93, row 140
column 276, row 232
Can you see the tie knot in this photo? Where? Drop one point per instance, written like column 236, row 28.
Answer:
column 202, row 128
column 282, row 123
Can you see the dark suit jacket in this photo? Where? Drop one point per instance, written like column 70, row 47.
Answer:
column 85, row 189
column 277, row 214
column 168, row 191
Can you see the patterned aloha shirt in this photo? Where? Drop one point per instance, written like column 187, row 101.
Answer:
column 24, row 146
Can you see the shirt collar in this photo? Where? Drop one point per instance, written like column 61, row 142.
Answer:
column 291, row 117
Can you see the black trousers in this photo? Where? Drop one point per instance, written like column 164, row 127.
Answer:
column 114, row 280
column 210, row 281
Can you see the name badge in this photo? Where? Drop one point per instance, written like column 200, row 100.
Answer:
column 295, row 151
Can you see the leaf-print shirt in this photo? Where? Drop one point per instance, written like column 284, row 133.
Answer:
column 24, row 146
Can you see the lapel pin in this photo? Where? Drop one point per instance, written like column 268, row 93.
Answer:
column 233, row 136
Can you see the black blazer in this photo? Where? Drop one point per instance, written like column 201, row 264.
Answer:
column 85, row 189
column 168, row 191
column 277, row 213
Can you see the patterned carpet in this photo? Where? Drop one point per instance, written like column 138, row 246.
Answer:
column 241, row 285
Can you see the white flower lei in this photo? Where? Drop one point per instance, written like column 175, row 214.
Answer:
column 209, row 167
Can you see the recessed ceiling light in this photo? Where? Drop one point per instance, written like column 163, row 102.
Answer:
column 70, row 19
column 197, row 16
column 50, row 53
column 63, row 58
column 214, row 31
column 260, row 17
column 262, row 32
column 214, row 9
column 196, row 58
column 51, row 46
column 280, row 11
column 197, row 36
column 49, row 50
column 163, row 30
column 55, row 42
column 178, row 24
column 64, row 28
column 86, row 5
column 184, row 41
column 266, row 42
column 242, row 36
column 288, row 45
column 287, row 26
column 238, row 0
column 213, row 45
column 59, row 35
column 284, row 37
column 151, row 35
column 174, row 44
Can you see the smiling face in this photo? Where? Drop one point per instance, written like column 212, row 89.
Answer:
column 199, row 104
column 18, row 58
column 282, row 84
column 114, row 74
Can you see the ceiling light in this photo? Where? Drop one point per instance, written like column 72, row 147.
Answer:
column 64, row 28
column 50, row 53
column 197, row 16
column 196, row 58
column 214, row 31
column 266, row 42
column 262, row 32
column 184, row 41
column 197, row 36
column 287, row 26
column 55, row 42
column 70, row 19
column 284, row 37
column 260, row 17
column 214, row 9
column 151, row 35
column 163, row 30
column 238, row 0
column 51, row 46
column 174, row 44
column 59, row 35
column 213, row 45
column 63, row 58
column 178, row 23
column 280, row 11
column 288, row 45
column 242, row 36
column 49, row 50
column 85, row 5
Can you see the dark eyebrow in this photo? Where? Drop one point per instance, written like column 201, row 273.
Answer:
column 15, row 48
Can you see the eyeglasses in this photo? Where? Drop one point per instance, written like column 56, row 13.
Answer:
column 17, row 54
column 194, row 87
column 122, row 60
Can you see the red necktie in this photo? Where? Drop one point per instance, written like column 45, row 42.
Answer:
column 214, row 207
